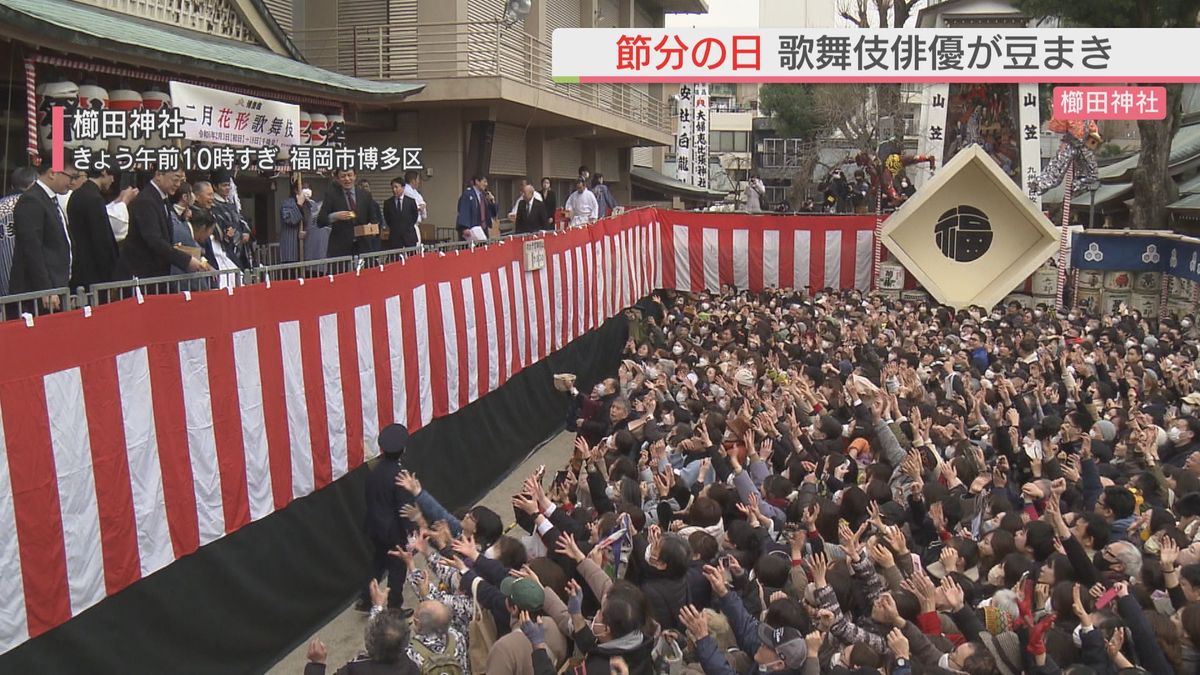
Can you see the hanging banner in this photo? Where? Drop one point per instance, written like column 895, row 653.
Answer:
column 1031, row 140
column 933, row 125
column 700, row 137
column 683, row 135
column 228, row 118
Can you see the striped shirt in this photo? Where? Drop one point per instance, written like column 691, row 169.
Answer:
column 7, row 239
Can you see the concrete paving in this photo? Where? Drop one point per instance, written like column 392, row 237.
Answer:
column 343, row 636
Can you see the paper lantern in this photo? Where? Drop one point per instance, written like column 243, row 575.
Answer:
column 126, row 100
column 970, row 235
column 93, row 97
column 335, row 131
column 305, row 122
column 155, row 101
column 317, row 126
column 62, row 93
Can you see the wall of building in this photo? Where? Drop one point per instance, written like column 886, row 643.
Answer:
column 796, row 13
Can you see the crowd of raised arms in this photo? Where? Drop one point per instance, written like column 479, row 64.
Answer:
column 789, row 482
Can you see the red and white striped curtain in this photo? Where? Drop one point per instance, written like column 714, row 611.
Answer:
column 706, row 250
column 133, row 435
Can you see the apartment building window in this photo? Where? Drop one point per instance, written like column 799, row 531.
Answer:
column 780, row 152
column 777, row 195
column 722, row 104
column 729, row 141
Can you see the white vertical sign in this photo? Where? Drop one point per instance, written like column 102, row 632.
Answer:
column 1031, row 144
column 700, row 122
column 935, row 117
column 683, row 135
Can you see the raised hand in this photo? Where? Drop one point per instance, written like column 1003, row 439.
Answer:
column 1168, row 553
column 897, row 643
column 889, row 615
column 408, row 481
column 411, row 513
column 574, row 598
column 716, row 579
column 694, row 622
column 953, row 593
column 523, row 502
column 465, row 546
column 818, row 563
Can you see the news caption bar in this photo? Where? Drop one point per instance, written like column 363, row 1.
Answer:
column 1073, row 55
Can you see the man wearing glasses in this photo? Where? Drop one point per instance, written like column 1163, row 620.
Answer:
column 42, row 250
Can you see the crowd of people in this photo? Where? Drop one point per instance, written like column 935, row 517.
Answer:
column 78, row 229
column 74, row 229
column 792, row 483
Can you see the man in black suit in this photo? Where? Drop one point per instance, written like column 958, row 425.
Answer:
column 345, row 207
column 41, row 247
column 386, row 528
column 93, row 246
column 402, row 212
column 531, row 214
column 148, row 250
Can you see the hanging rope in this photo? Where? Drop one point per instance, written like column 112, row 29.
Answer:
column 878, row 237
column 31, row 121
column 1068, row 193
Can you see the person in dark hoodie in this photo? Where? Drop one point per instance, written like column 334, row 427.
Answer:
column 621, row 629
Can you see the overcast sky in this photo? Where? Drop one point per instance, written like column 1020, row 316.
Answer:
column 721, row 14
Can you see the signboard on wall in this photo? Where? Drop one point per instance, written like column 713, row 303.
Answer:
column 228, row 118
column 683, row 135
column 1031, row 142
column 700, row 122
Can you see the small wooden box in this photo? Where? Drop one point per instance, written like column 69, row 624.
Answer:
column 369, row 230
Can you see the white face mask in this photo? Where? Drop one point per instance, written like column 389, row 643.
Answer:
column 1173, row 434
column 1186, row 323
column 307, row 193
column 825, row 344
column 1037, row 313
column 944, row 662
column 1186, row 409
column 702, row 362
column 1071, row 317
column 599, row 390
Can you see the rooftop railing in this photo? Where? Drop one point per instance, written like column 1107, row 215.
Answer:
column 462, row 50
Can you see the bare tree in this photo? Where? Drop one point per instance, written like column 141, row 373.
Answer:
column 886, row 13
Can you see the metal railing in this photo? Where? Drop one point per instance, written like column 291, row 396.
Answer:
column 31, row 306
column 463, row 50
column 36, row 304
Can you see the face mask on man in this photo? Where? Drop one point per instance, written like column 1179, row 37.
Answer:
column 1185, row 324
column 1173, row 434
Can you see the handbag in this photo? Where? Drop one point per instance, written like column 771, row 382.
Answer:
column 481, row 633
